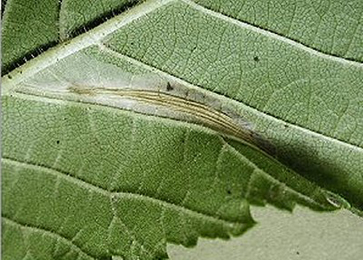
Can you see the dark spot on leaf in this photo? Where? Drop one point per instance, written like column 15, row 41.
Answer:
column 58, row 141
column 256, row 58
column 10, row 77
column 169, row 87
column 132, row 43
column 229, row 192
column 297, row 252
column 286, row 125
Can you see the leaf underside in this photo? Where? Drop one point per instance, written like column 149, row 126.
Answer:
column 167, row 122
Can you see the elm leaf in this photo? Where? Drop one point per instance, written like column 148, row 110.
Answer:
column 166, row 122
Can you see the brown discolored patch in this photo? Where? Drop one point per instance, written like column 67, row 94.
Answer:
column 80, row 90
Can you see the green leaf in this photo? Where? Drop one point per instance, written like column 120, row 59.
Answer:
column 166, row 123
column 331, row 27
column 37, row 26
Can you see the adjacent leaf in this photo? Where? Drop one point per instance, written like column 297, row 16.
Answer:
column 36, row 26
column 163, row 125
column 30, row 24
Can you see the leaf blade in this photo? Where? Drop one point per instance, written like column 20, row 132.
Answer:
column 83, row 136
